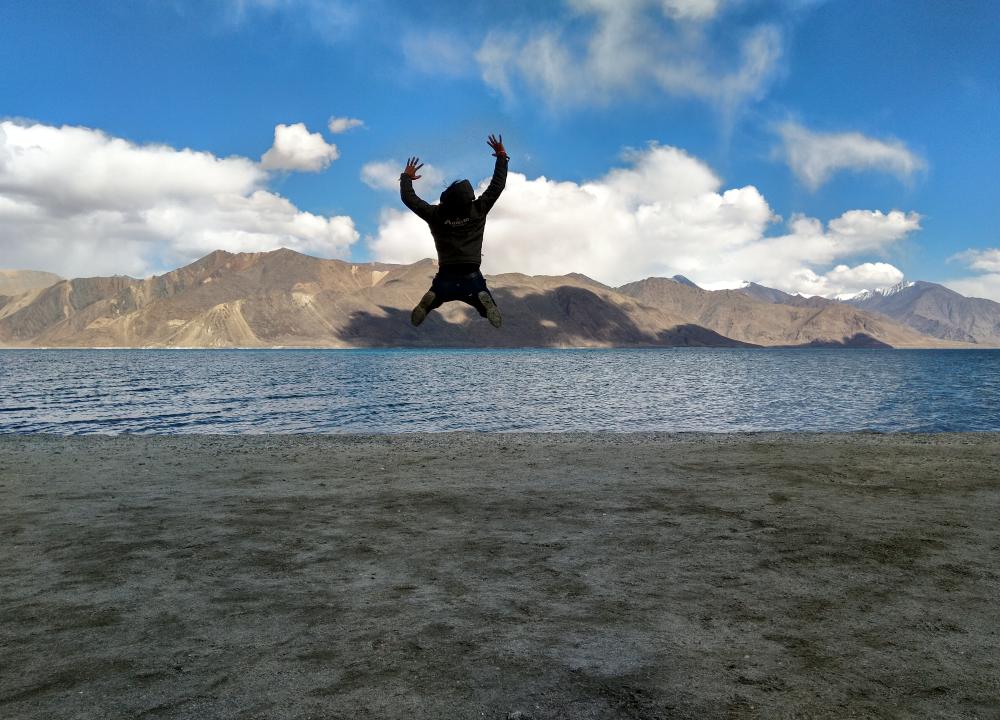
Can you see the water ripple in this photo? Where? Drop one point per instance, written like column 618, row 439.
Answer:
column 690, row 389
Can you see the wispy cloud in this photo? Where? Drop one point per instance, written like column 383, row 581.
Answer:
column 983, row 260
column 438, row 53
column 629, row 48
column 331, row 20
column 691, row 9
column 814, row 157
column 337, row 125
column 384, row 175
column 985, row 283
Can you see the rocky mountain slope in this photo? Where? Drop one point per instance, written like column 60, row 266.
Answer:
column 283, row 298
column 935, row 310
column 771, row 295
column 741, row 316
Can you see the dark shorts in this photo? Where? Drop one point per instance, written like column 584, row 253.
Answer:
column 465, row 287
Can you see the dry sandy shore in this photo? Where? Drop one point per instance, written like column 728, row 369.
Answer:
column 482, row 576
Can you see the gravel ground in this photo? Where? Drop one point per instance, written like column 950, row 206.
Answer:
column 500, row 576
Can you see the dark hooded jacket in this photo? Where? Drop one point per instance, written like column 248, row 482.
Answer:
column 457, row 223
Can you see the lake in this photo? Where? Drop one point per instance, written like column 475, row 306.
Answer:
column 393, row 391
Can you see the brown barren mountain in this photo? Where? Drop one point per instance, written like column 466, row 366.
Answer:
column 740, row 316
column 19, row 287
column 16, row 282
column 770, row 295
column 937, row 311
column 283, row 298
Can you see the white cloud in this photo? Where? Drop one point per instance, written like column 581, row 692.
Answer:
column 985, row 285
column 339, row 125
column 814, row 156
column 788, row 261
column 664, row 213
column 384, row 175
column 691, row 9
column 437, row 53
column 866, row 276
column 77, row 201
column 295, row 148
column 331, row 20
column 632, row 46
column 986, row 260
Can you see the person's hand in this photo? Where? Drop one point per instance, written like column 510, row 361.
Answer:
column 497, row 144
column 412, row 165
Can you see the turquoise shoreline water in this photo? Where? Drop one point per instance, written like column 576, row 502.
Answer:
column 391, row 391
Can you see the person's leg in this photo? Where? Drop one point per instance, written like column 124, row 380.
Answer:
column 428, row 302
column 492, row 312
column 469, row 292
column 482, row 299
column 475, row 302
column 443, row 289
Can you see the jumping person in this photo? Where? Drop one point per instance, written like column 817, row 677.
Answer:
column 457, row 224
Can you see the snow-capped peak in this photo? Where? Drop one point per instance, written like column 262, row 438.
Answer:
column 879, row 292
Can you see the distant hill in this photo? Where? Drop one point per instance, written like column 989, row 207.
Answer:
column 15, row 282
column 283, row 298
column 742, row 316
column 935, row 310
column 771, row 295
column 683, row 281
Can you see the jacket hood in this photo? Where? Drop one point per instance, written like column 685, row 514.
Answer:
column 458, row 194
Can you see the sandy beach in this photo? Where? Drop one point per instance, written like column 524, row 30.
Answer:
column 500, row 576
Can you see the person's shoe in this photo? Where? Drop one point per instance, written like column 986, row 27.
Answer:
column 419, row 313
column 492, row 311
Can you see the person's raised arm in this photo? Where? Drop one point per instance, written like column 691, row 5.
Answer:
column 423, row 209
column 499, row 181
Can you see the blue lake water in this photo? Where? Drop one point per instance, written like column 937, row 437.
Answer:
column 352, row 391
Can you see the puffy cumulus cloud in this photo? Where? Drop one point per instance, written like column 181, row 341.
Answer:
column 846, row 281
column 630, row 47
column 295, row 148
column 77, row 201
column 986, row 284
column 814, row 157
column 67, row 169
column 788, row 261
column 664, row 213
column 384, row 175
column 338, row 125
column 869, row 230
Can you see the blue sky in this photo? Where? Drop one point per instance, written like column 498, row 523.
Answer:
column 822, row 108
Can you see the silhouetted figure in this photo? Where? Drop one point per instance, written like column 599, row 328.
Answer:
column 457, row 224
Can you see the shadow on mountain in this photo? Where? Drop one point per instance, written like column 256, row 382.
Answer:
column 857, row 340
column 566, row 316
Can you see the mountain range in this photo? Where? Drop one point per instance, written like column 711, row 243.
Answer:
column 285, row 299
column 935, row 310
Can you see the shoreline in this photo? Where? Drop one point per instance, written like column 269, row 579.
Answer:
column 577, row 575
column 486, row 348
